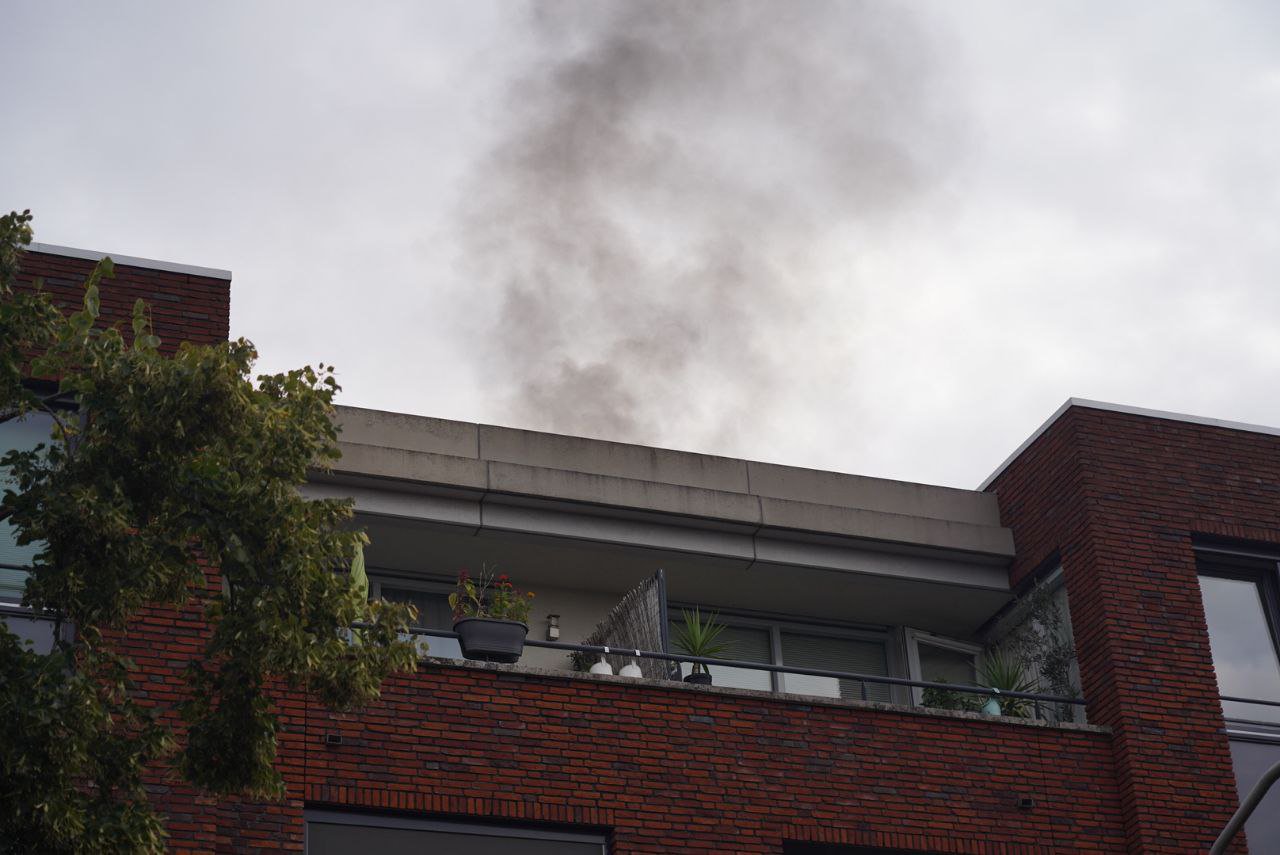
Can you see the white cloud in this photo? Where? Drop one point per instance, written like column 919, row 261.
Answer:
column 1110, row 225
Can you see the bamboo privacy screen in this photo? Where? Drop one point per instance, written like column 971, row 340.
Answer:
column 637, row 622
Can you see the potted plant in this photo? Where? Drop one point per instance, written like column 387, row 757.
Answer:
column 490, row 616
column 1007, row 672
column 950, row 699
column 699, row 637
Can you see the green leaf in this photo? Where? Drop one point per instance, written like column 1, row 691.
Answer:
column 359, row 578
column 700, row 637
column 174, row 464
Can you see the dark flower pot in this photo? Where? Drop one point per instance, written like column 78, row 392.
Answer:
column 491, row 640
column 702, row 678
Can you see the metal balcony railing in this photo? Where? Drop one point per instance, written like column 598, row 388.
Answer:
column 1036, row 699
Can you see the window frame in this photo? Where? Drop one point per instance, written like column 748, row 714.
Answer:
column 7, row 601
column 378, row 578
column 462, row 827
column 1262, row 570
column 914, row 637
column 28, row 624
column 427, row 586
column 776, row 625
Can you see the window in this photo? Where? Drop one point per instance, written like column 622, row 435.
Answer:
column 1239, row 593
column 334, row 833
column 1251, row 759
column 20, row 434
column 804, row 646
column 746, row 643
column 433, row 611
column 940, row 660
column 1240, row 610
column 827, row 653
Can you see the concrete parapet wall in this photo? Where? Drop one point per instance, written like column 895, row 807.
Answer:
column 426, row 453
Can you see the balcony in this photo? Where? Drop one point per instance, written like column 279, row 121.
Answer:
column 819, row 572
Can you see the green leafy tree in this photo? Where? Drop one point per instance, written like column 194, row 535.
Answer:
column 160, row 467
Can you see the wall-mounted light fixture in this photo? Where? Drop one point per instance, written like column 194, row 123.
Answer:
column 553, row 627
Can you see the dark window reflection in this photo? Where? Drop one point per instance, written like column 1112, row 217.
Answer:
column 1244, row 654
column 433, row 613
column 1251, row 759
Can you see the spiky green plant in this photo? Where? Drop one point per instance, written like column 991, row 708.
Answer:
column 700, row 637
column 1007, row 672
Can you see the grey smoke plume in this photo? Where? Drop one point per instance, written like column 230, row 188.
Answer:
column 665, row 217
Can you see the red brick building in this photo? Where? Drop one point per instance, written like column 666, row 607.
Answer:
column 1154, row 536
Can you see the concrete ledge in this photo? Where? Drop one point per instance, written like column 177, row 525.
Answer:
column 624, row 492
column 418, row 466
column 409, row 433
column 757, row 695
column 873, row 494
column 621, row 460
column 413, row 453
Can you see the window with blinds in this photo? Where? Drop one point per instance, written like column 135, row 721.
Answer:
column 945, row 665
column 757, row 641
column 747, row 644
column 830, row 653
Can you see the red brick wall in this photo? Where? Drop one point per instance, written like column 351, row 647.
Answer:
column 674, row 770
column 1118, row 497
column 659, row 769
column 668, row 769
column 184, row 306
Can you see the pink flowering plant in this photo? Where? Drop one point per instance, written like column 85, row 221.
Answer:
column 489, row 596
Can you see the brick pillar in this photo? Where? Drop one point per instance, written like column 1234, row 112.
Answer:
column 185, row 306
column 1117, row 498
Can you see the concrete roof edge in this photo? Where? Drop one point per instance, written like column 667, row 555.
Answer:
column 665, row 449
column 1129, row 410
column 130, row 260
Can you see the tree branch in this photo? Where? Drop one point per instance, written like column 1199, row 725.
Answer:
column 42, row 402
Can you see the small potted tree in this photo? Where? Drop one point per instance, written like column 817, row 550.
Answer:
column 490, row 616
column 700, row 637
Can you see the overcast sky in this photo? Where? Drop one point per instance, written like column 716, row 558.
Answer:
column 885, row 238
